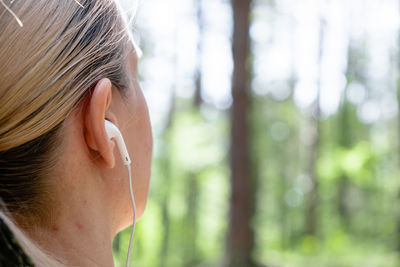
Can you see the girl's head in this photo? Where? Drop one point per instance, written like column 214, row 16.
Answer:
column 66, row 70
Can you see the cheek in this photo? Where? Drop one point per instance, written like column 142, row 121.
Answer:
column 141, row 131
column 138, row 127
column 144, row 141
column 141, row 144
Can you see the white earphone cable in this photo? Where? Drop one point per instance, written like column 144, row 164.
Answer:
column 134, row 216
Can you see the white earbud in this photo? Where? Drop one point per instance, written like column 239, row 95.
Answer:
column 113, row 132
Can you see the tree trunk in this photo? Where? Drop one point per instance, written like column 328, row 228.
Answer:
column 312, row 198
column 343, row 186
column 198, row 72
column 192, row 198
column 398, row 193
column 398, row 155
column 398, row 146
column 240, row 241
column 164, row 198
column 193, row 187
column 165, row 194
column 283, row 186
column 398, row 149
column 311, row 218
column 345, row 139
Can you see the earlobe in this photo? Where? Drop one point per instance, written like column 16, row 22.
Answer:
column 95, row 133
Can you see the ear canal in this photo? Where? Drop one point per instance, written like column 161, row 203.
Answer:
column 114, row 133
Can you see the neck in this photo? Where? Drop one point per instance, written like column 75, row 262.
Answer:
column 79, row 237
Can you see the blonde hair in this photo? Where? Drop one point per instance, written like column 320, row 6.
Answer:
column 48, row 67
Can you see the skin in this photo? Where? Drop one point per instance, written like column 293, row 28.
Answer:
column 91, row 188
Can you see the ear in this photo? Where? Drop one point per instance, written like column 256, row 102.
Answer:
column 95, row 113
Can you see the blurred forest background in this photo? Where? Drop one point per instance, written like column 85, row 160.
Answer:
column 276, row 132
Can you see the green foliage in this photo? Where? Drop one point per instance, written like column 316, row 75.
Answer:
column 357, row 163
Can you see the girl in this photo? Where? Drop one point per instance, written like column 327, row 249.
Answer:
column 66, row 67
